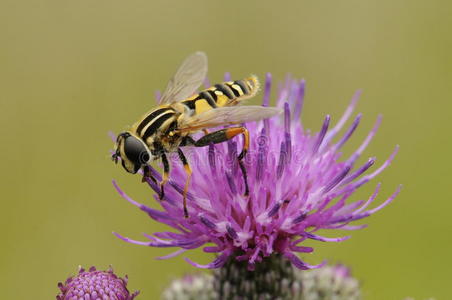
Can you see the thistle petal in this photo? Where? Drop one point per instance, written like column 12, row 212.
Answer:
column 298, row 185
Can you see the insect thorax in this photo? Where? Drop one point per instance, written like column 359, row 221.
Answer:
column 155, row 125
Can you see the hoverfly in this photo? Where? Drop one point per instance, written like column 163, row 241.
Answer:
column 182, row 112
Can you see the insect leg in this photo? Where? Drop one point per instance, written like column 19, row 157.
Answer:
column 224, row 135
column 187, row 182
column 147, row 174
column 166, row 168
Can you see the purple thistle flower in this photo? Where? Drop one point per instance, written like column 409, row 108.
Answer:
column 299, row 184
column 93, row 284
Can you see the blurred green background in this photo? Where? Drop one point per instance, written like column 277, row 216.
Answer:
column 70, row 71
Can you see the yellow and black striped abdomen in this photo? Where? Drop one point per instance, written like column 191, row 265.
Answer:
column 228, row 93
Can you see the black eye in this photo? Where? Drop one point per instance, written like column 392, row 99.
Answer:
column 135, row 150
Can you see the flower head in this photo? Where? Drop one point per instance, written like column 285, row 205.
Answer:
column 93, row 284
column 299, row 184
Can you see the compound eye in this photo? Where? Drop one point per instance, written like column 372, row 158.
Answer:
column 135, row 150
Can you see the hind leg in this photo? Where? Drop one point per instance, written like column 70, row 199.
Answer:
column 225, row 135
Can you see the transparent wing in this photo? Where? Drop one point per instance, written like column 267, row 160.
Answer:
column 227, row 116
column 187, row 79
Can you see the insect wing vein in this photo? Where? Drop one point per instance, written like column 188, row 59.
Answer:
column 227, row 116
column 187, row 79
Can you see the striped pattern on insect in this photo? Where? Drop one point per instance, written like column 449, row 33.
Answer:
column 182, row 112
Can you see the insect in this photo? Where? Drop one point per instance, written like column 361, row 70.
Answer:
column 183, row 112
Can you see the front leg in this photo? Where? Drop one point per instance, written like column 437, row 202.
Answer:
column 224, row 135
column 187, row 182
column 166, row 169
column 147, row 174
